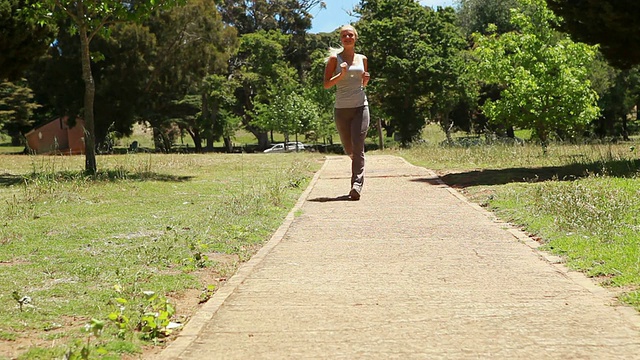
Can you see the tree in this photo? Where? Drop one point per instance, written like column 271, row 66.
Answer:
column 291, row 18
column 449, row 83
column 542, row 75
column 23, row 38
column 261, row 70
column 250, row 16
column 218, row 108
column 409, row 48
column 56, row 78
column 90, row 19
column 323, row 127
column 121, row 78
column 288, row 112
column 192, row 44
column 475, row 15
column 16, row 109
column 478, row 16
column 613, row 24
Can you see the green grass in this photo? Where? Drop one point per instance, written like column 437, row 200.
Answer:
column 146, row 222
column 7, row 148
column 581, row 201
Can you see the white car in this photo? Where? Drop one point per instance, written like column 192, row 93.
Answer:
column 290, row 146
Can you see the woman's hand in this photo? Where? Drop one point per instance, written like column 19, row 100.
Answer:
column 365, row 78
column 329, row 78
column 343, row 68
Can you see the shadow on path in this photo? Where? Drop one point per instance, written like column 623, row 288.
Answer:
column 621, row 168
column 329, row 199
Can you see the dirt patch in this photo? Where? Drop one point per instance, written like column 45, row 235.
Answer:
column 14, row 263
column 187, row 303
column 50, row 336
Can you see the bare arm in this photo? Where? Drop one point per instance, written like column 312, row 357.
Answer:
column 330, row 79
column 365, row 75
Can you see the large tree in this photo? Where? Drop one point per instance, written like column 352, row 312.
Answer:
column 121, row 78
column 410, row 50
column 23, row 37
column 613, row 24
column 542, row 75
column 192, row 44
column 288, row 17
column 89, row 19
column 219, row 102
column 261, row 70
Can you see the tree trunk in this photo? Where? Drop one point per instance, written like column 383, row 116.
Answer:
column 448, row 125
column 263, row 140
column 17, row 140
column 209, row 139
column 161, row 141
column 207, row 115
column 380, row 138
column 228, row 144
column 89, row 96
column 197, row 140
column 625, row 128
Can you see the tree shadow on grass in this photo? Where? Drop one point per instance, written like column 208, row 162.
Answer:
column 7, row 180
column 618, row 168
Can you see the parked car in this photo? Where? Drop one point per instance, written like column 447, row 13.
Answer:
column 289, row 147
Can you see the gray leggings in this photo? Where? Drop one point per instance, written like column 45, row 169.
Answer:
column 353, row 124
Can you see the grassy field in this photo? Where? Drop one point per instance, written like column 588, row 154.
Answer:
column 581, row 201
column 150, row 228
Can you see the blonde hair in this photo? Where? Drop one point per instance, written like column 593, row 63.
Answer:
column 335, row 51
column 349, row 27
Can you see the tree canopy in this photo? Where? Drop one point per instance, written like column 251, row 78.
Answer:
column 613, row 24
column 23, row 39
column 475, row 15
column 542, row 75
column 411, row 50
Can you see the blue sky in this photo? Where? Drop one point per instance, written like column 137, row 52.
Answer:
column 335, row 14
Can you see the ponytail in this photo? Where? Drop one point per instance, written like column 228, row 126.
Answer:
column 333, row 52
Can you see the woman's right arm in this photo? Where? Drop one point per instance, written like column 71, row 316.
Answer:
column 329, row 78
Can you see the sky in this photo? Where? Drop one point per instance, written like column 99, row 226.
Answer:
column 335, row 15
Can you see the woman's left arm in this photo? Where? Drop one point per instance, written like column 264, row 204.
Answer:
column 365, row 75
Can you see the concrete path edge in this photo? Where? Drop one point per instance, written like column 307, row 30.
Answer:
column 193, row 328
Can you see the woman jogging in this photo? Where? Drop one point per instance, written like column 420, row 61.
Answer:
column 348, row 71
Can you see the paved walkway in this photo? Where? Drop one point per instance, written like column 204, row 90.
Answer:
column 412, row 270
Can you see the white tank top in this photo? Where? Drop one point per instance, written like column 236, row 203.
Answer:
column 349, row 90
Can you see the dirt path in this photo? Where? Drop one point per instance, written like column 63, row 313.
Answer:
column 412, row 270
